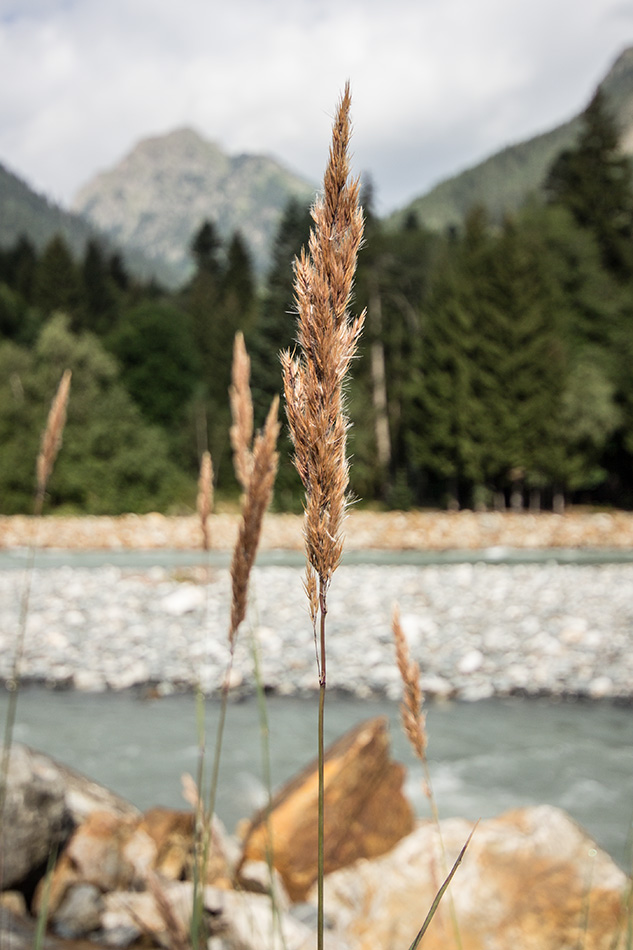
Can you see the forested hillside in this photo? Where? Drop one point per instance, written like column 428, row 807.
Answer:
column 505, row 180
column 495, row 366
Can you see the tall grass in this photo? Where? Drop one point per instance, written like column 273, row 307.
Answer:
column 51, row 442
column 313, row 386
column 255, row 461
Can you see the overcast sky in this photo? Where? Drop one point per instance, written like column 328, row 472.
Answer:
column 437, row 85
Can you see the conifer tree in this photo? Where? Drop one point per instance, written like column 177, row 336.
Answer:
column 393, row 275
column 57, row 283
column 99, row 304
column 158, row 360
column 594, row 180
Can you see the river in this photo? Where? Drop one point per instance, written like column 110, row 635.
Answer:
column 485, row 757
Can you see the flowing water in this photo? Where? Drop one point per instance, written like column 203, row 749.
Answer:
column 485, row 757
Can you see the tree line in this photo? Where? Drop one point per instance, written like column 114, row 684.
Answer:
column 494, row 367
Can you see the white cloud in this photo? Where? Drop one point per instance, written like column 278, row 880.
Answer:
column 437, row 84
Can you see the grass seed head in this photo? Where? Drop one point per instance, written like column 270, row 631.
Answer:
column 52, row 435
column 327, row 341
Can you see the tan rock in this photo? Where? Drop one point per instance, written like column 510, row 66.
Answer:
column 114, row 853
column 366, row 812
column 531, row 879
column 239, row 921
column 173, row 835
column 94, row 855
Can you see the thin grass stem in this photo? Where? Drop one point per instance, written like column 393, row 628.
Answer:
column 441, row 892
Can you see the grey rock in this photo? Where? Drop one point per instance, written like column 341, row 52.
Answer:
column 45, row 801
column 79, row 914
column 35, row 818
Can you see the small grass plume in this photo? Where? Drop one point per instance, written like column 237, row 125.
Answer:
column 52, row 439
column 413, row 717
column 204, row 501
column 241, row 432
column 260, row 459
column 313, row 387
column 256, row 469
column 414, row 726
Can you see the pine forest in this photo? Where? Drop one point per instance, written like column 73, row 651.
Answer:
column 495, row 368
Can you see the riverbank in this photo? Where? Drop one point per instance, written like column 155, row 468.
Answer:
column 364, row 530
column 478, row 630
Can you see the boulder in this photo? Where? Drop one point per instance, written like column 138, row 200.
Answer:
column 35, row 818
column 115, row 854
column 44, row 802
column 17, row 932
column 366, row 812
column 531, row 878
column 236, row 920
column 172, row 833
column 95, row 856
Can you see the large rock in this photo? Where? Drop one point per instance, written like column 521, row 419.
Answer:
column 366, row 812
column 531, row 879
column 44, row 802
column 236, row 920
column 114, row 854
column 35, row 818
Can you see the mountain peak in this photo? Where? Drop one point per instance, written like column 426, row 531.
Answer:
column 159, row 194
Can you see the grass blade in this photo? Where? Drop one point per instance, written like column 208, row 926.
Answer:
column 441, row 892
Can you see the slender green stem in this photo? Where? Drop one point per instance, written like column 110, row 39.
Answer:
column 321, row 740
column 265, row 741
column 321, row 827
column 42, row 917
column 14, row 682
column 218, row 739
column 441, row 892
column 201, row 837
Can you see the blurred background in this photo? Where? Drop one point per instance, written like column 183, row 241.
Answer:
column 157, row 164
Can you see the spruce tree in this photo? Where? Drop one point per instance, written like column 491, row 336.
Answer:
column 57, row 282
column 594, row 180
column 99, row 308
column 158, row 360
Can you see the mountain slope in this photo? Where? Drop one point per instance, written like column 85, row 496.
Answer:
column 26, row 213
column 157, row 197
column 505, row 180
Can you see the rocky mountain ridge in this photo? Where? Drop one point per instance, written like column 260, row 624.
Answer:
column 151, row 203
column 157, row 197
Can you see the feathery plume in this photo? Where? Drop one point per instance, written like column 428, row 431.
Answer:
column 313, row 386
column 327, row 338
column 52, row 436
column 204, row 501
column 413, row 719
column 241, row 432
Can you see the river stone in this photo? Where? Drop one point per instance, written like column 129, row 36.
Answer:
column 35, row 818
column 237, row 920
column 80, row 912
column 45, row 801
column 531, row 878
column 366, row 812
column 17, row 932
